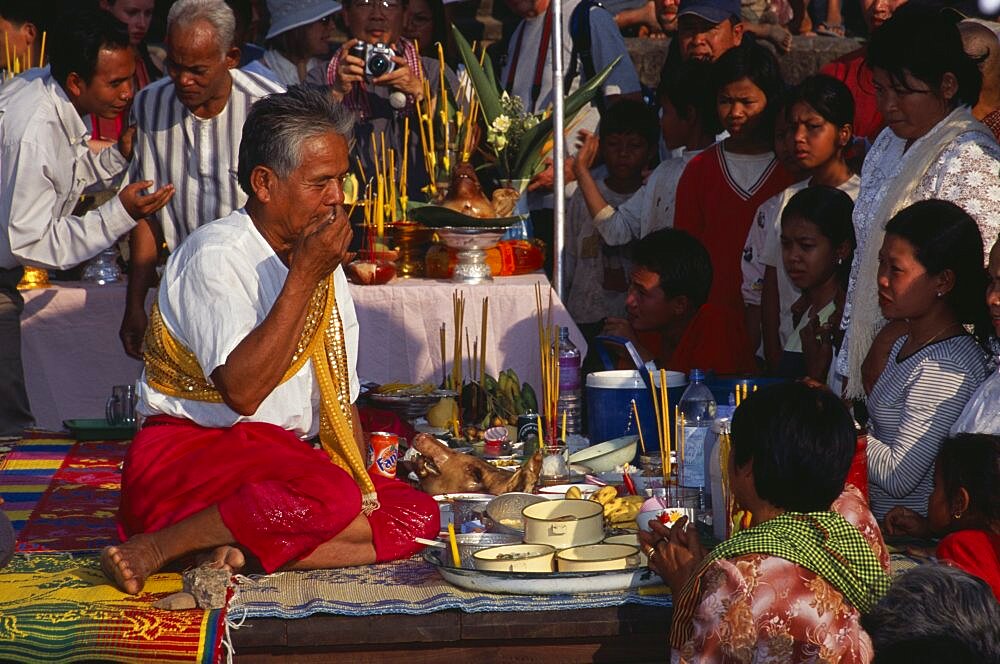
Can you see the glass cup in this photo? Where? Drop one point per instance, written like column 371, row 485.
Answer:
column 120, row 406
column 555, row 463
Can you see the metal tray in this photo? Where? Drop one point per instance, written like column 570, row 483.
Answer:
column 555, row 583
column 98, row 429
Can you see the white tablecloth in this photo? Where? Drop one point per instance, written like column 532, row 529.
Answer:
column 72, row 355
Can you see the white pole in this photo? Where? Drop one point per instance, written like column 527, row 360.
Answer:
column 558, row 148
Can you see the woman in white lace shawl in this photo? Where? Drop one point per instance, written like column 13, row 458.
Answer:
column 932, row 147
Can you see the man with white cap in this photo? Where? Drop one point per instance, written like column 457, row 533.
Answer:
column 298, row 41
column 188, row 134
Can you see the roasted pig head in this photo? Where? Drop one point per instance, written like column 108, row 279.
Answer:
column 465, row 194
column 443, row 470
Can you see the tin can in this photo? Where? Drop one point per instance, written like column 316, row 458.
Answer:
column 383, row 449
column 527, row 427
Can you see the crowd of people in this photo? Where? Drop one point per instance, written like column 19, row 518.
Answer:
column 840, row 233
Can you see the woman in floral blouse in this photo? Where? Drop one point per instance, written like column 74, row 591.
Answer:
column 791, row 587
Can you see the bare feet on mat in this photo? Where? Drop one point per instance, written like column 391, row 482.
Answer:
column 130, row 563
column 224, row 557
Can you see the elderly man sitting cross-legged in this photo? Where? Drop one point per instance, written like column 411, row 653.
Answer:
column 252, row 346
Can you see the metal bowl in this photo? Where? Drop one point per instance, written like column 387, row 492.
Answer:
column 458, row 508
column 608, row 455
column 469, row 543
column 411, row 406
column 503, row 513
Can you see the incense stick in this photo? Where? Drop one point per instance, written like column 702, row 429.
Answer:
column 638, row 426
column 444, row 357
column 482, row 348
column 665, row 406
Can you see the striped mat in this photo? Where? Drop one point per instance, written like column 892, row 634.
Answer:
column 55, row 604
column 26, row 472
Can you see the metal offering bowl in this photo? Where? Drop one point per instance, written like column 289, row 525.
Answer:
column 471, row 245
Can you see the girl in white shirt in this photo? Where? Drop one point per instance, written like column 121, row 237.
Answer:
column 817, row 242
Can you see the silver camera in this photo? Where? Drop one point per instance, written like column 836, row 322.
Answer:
column 377, row 58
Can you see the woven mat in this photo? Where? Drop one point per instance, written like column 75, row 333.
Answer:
column 62, row 496
column 408, row 586
column 59, row 608
column 26, row 472
column 76, row 509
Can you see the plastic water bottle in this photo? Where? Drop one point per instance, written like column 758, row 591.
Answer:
column 698, row 408
column 719, row 507
column 570, row 389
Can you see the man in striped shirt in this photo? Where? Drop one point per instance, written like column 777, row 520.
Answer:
column 189, row 128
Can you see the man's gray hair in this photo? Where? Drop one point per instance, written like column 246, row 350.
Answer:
column 216, row 12
column 935, row 613
column 278, row 124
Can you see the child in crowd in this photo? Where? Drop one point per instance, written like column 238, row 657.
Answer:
column 687, row 121
column 930, row 275
column 723, row 186
column 595, row 273
column 667, row 301
column 817, row 244
column 964, row 507
column 818, row 115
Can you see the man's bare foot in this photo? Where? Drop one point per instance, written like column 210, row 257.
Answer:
column 129, row 564
column 224, row 557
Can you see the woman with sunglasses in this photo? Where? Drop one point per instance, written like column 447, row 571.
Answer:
column 298, row 41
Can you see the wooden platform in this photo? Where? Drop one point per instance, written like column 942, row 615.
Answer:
column 627, row 633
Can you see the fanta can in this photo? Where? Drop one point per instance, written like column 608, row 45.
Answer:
column 383, row 448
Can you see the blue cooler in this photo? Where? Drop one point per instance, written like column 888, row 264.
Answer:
column 609, row 404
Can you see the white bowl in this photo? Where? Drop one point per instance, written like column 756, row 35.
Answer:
column 672, row 515
column 515, row 558
column 631, row 539
column 598, row 558
column 559, row 490
column 608, row 455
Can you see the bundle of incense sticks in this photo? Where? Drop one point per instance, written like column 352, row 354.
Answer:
column 18, row 64
column 458, row 309
column 475, row 347
column 740, row 393
column 548, row 351
column 661, row 407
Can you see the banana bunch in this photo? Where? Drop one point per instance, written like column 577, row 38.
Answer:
column 405, row 389
column 509, row 397
column 617, row 509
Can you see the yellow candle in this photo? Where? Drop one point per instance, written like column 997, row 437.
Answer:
column 455, row 558
column 541, row 438
column 564, row 423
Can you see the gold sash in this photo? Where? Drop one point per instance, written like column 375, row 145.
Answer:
column 174, row 370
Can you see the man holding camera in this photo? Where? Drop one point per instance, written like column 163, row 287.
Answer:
column 379, row 75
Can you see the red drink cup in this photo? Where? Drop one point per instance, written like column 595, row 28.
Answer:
column 383, row 448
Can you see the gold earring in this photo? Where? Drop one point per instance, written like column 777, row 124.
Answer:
column 956, row 516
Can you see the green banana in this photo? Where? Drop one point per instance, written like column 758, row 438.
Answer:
column 528, row 399
column 490, row 384
column 513, row 377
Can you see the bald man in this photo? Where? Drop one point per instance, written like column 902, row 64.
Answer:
column 981, row 43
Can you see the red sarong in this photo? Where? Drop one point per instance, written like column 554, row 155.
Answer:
column 278, row 496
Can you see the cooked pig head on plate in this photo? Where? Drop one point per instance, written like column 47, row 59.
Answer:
column 443, row 470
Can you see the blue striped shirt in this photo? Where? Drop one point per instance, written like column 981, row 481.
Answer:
column 912, row 407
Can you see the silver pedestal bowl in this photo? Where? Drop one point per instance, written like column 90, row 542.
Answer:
column 471, row 245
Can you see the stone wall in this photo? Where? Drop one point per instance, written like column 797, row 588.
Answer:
column 808, row 54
